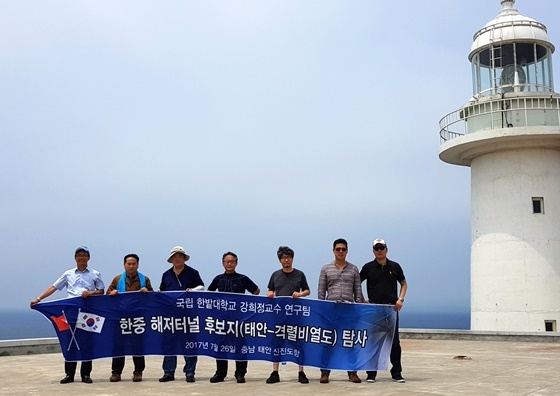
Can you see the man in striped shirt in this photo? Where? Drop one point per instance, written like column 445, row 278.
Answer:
column 340, row 281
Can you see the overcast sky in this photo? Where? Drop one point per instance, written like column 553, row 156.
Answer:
column 135, row 126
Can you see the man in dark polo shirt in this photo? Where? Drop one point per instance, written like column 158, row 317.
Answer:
column 381, row 276
column 232, row 282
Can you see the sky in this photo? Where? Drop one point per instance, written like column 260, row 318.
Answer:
column 134, row 126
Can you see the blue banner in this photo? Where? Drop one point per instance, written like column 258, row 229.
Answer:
column 230, row 326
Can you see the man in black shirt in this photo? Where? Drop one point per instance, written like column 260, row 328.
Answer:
column 232, row 282
column 287, row 281
column 381, row 276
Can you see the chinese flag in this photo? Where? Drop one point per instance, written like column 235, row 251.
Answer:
column 60, row 323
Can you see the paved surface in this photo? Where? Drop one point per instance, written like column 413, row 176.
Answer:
column 430, row 367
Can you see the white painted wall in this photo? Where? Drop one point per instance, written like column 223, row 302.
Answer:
column 515, row 256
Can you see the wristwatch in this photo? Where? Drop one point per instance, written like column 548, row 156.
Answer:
column 401, row 299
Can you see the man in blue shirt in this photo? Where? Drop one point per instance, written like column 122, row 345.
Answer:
column 79, row 282
column 180, row 277
column 231, row 282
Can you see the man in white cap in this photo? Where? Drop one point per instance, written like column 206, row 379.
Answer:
column 180, row 277
column 381, row 276
column 79, row 282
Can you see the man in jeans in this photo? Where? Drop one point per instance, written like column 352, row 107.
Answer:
column 179, row 277
column 334, row 280
column 381, row 276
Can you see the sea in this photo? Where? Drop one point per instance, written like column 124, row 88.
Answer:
column 16, row 325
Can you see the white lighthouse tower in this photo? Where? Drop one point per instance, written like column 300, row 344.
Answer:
column 509, row 135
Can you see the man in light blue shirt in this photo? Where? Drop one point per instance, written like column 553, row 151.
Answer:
column 79, row 282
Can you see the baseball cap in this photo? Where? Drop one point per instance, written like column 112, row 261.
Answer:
column 81, row 249
column 379, row 241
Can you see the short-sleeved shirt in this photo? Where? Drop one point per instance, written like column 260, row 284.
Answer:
column 382, row 281
column 76, row 281
column 188, row 278
column 233, row 283
column 286, row 283
column 340, row 284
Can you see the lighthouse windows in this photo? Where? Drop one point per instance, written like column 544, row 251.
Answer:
column 512, row 67
column 538, row 205
column 550, row 325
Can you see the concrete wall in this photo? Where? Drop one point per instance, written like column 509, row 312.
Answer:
column 515, row 256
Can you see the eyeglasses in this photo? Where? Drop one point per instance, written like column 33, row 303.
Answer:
column 229, row 262
column 377, row 248
column 340, row 249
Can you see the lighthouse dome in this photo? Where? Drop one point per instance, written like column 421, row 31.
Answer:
column 510, row 26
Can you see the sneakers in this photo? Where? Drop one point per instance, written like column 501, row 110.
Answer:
column 115, row 378
column 302, row 378
column 324, row 378
column 370, row 378
column 137, row 376
column 274, row 378
column 353, row 377
column 240, row 379
column 216, row 378
column 190, row 378
column 398, row 378
column 166, row 378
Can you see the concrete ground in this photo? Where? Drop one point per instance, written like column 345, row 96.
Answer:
column 434, row 367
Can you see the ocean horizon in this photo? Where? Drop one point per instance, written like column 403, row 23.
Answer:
column 24, row 324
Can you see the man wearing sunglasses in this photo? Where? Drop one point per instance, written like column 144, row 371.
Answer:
column 381, row 276
column 340, row 281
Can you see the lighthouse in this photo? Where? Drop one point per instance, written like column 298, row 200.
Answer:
column 508, row 133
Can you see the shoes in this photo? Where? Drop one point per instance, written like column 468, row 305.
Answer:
column 370, row 378
column 353, row 377
column 216, row 378
column 274, row 378
column 190, row 378
column 115, row 378
column 137, row 376
column 302, row 378
column 87, row 379
column 67, row 380
column 324, row 378
column 166, row 378
column 240, row 379
column 398, row 378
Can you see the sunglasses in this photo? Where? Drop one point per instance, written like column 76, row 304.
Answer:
column 340, row 249
column 377, row 248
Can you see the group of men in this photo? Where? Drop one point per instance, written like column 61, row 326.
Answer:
column 339, row 281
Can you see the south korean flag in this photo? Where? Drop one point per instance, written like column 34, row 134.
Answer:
column 90, row 322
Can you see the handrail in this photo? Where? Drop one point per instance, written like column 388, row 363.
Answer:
column 455, row 124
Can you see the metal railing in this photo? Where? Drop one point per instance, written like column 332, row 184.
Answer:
column 500, row 113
